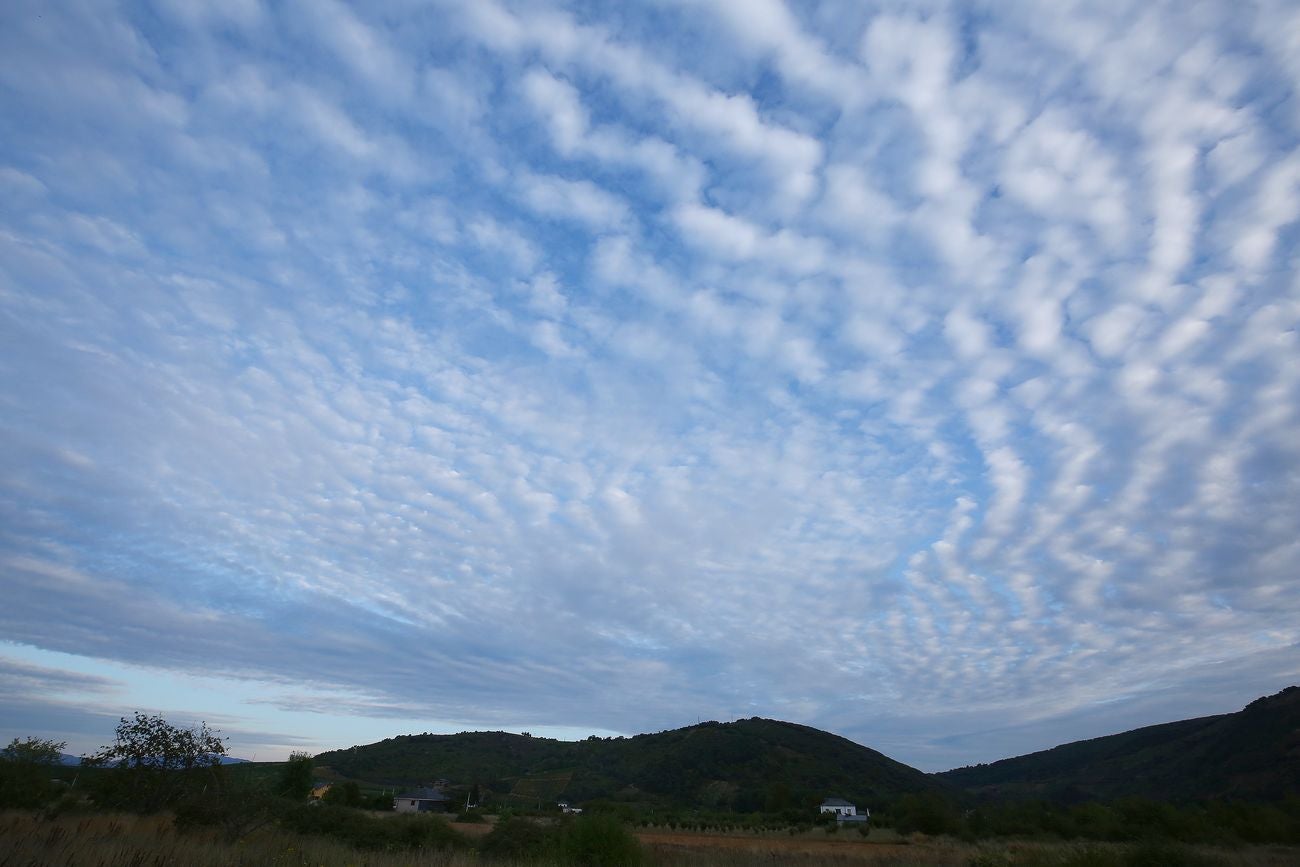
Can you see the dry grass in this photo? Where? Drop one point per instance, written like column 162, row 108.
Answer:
column 29, row 840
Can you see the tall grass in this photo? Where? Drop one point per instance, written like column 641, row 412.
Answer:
column 27, row 840
column 118, row 840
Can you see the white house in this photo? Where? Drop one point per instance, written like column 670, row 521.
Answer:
column 566, row 807
column 839, row 807
column 844, row 811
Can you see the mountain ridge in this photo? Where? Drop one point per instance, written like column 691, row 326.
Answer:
column 745, row 764
column 749, row 764
column 1251, row 754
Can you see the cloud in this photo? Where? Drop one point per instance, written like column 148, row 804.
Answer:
column 579, row 200
column 464, row 375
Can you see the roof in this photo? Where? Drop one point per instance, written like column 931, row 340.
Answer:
column 425, row 794
column 836, row 802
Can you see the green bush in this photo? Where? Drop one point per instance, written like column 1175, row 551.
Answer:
column 407, row 831
column 599, row 841
column 25, row 770
column 344, row 795
column 516, row 839
column 235, row 808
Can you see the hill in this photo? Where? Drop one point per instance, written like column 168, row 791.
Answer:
column 1253, row 754
column 749, row 764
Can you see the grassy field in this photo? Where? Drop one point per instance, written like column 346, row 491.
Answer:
column 101, row 840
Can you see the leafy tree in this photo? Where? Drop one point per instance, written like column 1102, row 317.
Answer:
column 156, row 763
column 296, row 777
column 25, row 771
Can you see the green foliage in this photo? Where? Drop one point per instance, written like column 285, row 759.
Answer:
column 407, row 831
column 734, row 766
column 1237, row 756
column 599, row 841
column 149, row 741
column 236, row 807
column 517, row 839
column 296, row 777
column 928, row 813
column 346, row 794
column 25, row 771
column 155, row 764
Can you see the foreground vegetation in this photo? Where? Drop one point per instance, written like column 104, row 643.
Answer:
column 125, row 840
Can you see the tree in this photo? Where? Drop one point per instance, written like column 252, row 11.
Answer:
column 154, row 762
column 346, row 794
column 25, row 771
column 296, row 778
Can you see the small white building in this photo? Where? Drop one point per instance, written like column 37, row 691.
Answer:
column 839, row 807
column 845, row 811
column 566, row 807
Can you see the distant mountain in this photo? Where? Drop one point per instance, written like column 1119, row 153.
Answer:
column 747, row 764
column 1253, row 754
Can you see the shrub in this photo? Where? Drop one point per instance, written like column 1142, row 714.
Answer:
column 407, row 831
column 236, row 808
column 517, row 839
column 25, row 768
column 599, row 841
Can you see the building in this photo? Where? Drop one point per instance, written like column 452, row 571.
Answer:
column 844, row 811
column 426, row 800
column 839, row 807
column 566, row 807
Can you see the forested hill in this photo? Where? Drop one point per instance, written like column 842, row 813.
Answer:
column 747, row 764
column 1253, row 754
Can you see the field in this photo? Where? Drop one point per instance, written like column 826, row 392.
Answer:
column 102, row 840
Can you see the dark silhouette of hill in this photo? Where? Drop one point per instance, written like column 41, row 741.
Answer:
column 1253, row 754
column 749, row 764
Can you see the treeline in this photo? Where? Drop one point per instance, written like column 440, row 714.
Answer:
column 1123, row 820
column 153, row 767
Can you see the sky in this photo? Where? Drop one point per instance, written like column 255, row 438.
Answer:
column 923, row 372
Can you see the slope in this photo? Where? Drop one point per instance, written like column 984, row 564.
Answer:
column 1253, row 754
column 747, row 765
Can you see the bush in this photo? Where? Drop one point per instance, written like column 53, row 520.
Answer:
column 25, row 770
column 516, row 839
column 236, row 808
column 599, row 841
column 407, row 831
column 344, row 795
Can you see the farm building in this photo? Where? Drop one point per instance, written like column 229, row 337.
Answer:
column 425, row 800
